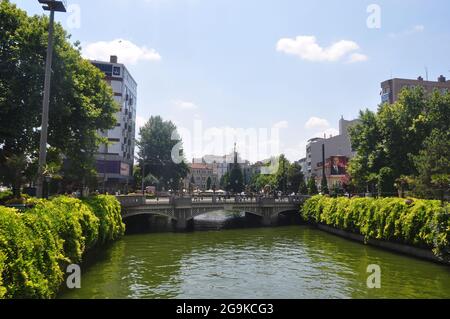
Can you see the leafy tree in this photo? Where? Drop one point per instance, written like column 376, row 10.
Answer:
column 312, row 187
column 81, row 102
column 386, row 182
column 236, row 180
column 160, row 150
column 224, row 180
column 302, row 188
column 295, row 177
column 324, row 186
column 260, row 181
column 365, row 138
column 208, row 183
column 433, row 165
column 395, row 137
column 281, row 175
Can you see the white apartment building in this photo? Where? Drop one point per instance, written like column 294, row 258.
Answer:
column 338, row 145
column 115, row 159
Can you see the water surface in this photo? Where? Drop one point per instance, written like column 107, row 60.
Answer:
column 285, row 262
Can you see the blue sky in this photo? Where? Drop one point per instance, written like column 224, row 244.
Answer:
column 296, row 65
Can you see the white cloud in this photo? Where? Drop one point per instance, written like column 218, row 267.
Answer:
column 127, row 51
column 185, row 105
column 307, row 48
column 321, row 127
column 317, row 123
column 413, row 30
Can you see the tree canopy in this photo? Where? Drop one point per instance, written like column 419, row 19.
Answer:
column 81, row 102
column 407, row 138
column 158, row 140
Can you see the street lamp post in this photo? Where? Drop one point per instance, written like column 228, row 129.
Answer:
column 143, row 176
column 52, row 6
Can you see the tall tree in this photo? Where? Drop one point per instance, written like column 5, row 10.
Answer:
column 281, row 175
column 433, row 166
column 160, row 150
column 236, row 180
column 295, row 177
column 389, row 141
column 312, row 187
column 81, row 102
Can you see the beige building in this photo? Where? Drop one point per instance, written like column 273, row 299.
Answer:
column 199, row 174
column 392, row 88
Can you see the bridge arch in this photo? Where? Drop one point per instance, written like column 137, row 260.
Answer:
column 278, row 212
column 202, row 211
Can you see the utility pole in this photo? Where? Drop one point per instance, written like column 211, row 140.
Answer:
column 52, row 6
column 143, row 176
column 324, row 178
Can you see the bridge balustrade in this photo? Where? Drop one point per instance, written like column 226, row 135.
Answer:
column 131, row 201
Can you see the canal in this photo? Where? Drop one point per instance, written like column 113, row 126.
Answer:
column 284, row 262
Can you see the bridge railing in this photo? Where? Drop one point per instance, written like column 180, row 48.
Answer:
column 131, row 201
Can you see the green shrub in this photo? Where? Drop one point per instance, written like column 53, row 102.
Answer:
column 422, row 223
column 2, row 268
column 36, row 246
column 108, row 210
column 21, row 274
column 4, row 196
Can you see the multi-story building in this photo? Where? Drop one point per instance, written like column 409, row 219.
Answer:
column 339, row 145
column 115, row 159
column 219, row 164
column 198, row 176
column 302, row 163
column 390, row 89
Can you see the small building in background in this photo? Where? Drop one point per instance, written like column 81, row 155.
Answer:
column 198, row 176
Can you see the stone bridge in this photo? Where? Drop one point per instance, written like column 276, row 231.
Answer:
column 182, row 210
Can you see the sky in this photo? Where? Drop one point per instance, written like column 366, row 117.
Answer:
column 266, row 74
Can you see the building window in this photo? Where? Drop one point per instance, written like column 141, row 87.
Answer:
column 105, row 68
column 116, row 71
column 114, row 140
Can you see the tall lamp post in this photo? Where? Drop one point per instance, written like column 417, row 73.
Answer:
column 52, row 6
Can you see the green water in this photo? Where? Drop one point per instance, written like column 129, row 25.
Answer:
column 286, row 262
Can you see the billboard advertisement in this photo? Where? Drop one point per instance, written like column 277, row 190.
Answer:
column 338, row 165
column 124, row 169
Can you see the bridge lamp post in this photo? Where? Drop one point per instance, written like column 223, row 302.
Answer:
column 52, row 6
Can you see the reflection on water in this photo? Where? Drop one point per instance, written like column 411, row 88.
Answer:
column 285, row 262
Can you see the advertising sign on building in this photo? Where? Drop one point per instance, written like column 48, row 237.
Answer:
column 124, row 169
column 338, row 165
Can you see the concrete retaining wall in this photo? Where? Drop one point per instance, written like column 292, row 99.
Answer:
column 396, row 247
